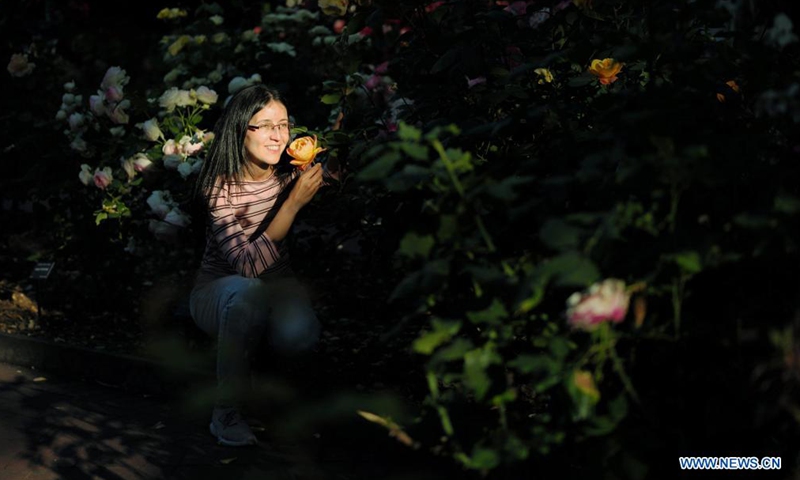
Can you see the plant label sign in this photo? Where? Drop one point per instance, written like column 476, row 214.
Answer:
column 42, row 270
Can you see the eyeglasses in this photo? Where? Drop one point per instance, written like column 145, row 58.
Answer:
column 266, row 127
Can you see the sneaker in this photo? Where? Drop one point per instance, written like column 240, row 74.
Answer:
column 230, row 428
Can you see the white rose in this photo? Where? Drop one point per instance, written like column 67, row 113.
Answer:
column 151, row 130
column 206, row 95
column 86, row 174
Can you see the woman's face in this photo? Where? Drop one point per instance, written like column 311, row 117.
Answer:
column 267, row 135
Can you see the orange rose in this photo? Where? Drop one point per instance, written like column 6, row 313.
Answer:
column 304, row 150
column 605, row 70
column 732, row 85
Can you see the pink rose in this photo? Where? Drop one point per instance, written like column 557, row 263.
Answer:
column 102, row 178
column 604, row 302
column 170, row 148
column 114, row 93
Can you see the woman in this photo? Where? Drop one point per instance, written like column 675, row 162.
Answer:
column 244, row 290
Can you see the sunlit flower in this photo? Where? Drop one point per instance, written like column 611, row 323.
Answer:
column 605, row 70
column 333, row 7
column 127, row 167
column 141, row 162
column 170, row 148
column 151, row 130
column 546, row 76
column 171, row 13
column 304, row 150
column 206, row 95
column 102, row 178
column 176, row 98
column 19, row 66
column 178, row 45
column 604, row 302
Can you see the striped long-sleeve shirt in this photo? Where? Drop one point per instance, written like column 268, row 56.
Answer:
column 235, row 245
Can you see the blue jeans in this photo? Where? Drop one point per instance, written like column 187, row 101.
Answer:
column 242, row 312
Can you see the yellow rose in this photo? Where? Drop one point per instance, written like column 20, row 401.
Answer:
column 546, row 74
column 333, row 7
column 178, row 45
column 304, row 150
column 605, row 70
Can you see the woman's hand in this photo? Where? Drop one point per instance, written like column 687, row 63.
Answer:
column 305, row 188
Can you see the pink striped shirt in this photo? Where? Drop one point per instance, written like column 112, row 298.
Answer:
column 233, row 247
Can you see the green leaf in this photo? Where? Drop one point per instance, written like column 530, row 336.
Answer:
column 483, row 459
column 100, row 217
column 414, row 245
column 538, row 364
column 786, row 203
column 449, row 58
column 442, row 332
column 455, row 351
column 408, row 133
column 571, row 269
column 415, row 150
column 504, row 190
column 688, row 261
column 448, row 226
column 491, row 315
column 330, row 98
column 560, row 235
column 475, row 364
column 581, row 80
column 380, row 168
column 410, row 176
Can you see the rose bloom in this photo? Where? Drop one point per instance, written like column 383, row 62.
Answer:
column 141, row 162
column 96, row 104
column 19, row 66
column 175, row 98
column 206, row 95
column 605, row 70
column 127, row 166
column 304, row 150
column 151, row 130
column 170, row 148
column 604, row 302
column 86, row 174
column 118, row 114
column 545, row 74
column 114, row 77
column 333, row 7
column 102, row 178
